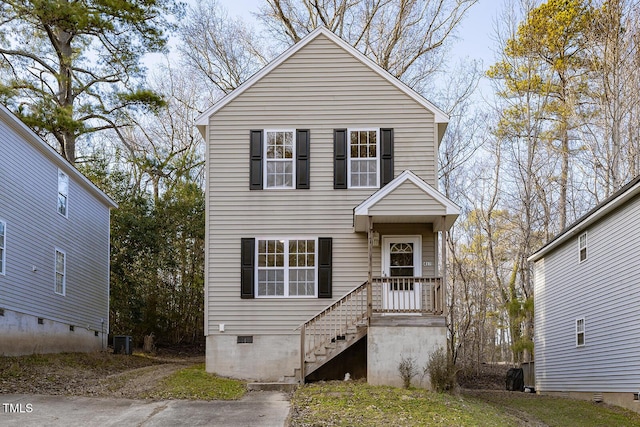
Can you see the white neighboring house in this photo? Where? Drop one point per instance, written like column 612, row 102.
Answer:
column 54, row 249
column 587, row 305
column 325, row 230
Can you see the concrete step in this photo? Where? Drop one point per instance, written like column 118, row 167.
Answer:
column 286, row 387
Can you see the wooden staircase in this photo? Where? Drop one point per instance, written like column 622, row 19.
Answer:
column 346, row 321
column 333, row 330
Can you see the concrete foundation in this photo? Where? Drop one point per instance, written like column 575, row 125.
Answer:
column 622, row 399
column 275, row 358
column 26, row 334
column 394, row 338
column 269, row 358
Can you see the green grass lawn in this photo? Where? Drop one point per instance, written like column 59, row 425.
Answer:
column 356, row 403
column 555, row 411
column 195, row 383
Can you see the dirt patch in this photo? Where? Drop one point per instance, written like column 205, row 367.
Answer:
column 89, row 374
column 136, row 383
column 497, row 397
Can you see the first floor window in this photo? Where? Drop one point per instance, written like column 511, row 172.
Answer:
column 61, row 267
column 580, row 332
column 363, row 158
column 286, row 267
column 582, row 246
column 63, row 192
column 3, row 244
column 280, row 156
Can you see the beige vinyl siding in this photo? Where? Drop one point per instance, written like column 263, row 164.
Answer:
column 605, row 291
column 320, row 88
column 28, row 203
column 409, row 200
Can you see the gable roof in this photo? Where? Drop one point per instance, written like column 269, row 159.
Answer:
column 442, row 206
column 617, row 199
column 44, row 148
column 203, row 119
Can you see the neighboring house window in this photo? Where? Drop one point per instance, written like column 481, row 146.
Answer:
column 582, row 246
column 61, row 272
column 63, row 192
column 580, row 332
column 363, row 158
column 286, row 268
column 3, row 245
column 280, row 155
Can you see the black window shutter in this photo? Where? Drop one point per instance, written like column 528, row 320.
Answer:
column 302, row 159
column 255, row 162
column 324, row 266
column 340, row 158
column 247, row 268
column 386, row 158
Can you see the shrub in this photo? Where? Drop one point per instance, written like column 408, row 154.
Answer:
column 442, row 373
column 408, row 370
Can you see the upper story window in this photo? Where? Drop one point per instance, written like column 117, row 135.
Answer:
column 363, row 158
column 61, row 272
column 63, row 192
column 582, row 246
column 286, row 268
column 579, row 332
column 3, row 245
column 279, row 154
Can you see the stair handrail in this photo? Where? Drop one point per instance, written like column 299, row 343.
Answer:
column 330, row 306
column 326, row 337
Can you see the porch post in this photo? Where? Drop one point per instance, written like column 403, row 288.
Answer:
column 443, row 287
column 370, row 272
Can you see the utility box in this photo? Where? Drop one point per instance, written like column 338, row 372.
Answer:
column 122, row 344
column 515, row 379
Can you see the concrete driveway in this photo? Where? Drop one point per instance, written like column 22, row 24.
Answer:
column 257, row 408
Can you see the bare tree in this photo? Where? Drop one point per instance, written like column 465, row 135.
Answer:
column 221, row 51
column 611, row 139
column 165, row 149
column 408, row 38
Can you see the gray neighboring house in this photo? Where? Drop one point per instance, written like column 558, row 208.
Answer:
column 587, row 305
column 54, row 249
column 325, row 228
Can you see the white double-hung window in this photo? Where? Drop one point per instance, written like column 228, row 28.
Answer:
column 582, row 247
column 63, row 192
column 61, row 272
column 280, row 159
column 286, row 268
column 363, row 158
column 580, row 332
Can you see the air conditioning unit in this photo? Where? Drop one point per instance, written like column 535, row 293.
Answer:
column 122, row 344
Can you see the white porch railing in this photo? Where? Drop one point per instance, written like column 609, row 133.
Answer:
column 407, row 295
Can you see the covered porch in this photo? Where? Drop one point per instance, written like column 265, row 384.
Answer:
column 410, row 282
column 405, row 224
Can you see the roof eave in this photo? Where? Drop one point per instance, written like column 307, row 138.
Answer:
column 630, row 190
column 54, row 156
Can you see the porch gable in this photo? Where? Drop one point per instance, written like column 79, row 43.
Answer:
column 406, row 199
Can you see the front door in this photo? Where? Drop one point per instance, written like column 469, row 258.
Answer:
column 401, row 262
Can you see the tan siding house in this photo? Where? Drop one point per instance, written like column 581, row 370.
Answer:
column 322, row 173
